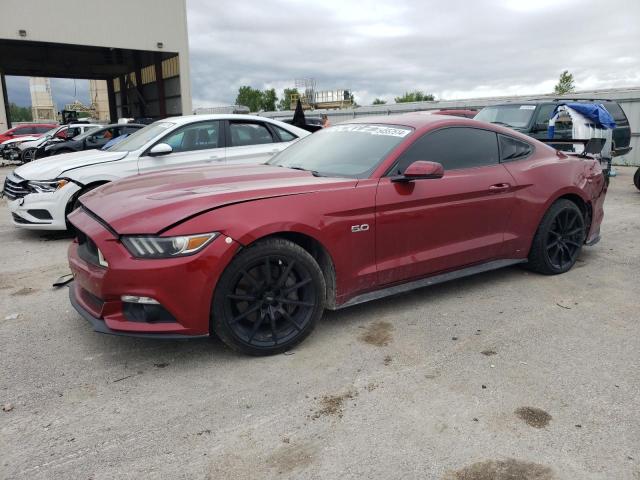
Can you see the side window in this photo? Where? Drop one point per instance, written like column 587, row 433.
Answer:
column 197, row 136
column 512, row 149
column 72, row 132
column 544, row 115
column 616, row 112
column 245, row 133
column 454, row 148
column 284, row 135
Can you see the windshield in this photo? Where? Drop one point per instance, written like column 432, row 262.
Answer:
column 516, row 115
column 51, row 133
column 140, row 138
column 346, row 150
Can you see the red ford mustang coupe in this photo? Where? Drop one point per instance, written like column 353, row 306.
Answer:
column 355, row 212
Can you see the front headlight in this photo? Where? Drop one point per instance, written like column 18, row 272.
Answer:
column 167, row 247
column 46, row 186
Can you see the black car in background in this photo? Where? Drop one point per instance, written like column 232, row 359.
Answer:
column 531, row 117
column 94, row 139
column 312, row 124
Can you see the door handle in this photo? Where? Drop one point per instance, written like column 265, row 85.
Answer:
column 499, row 187
column 214, row 157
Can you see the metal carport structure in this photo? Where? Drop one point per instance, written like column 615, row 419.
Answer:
column 140, row 48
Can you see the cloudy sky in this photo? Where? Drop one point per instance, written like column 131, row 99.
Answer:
column 453, row 49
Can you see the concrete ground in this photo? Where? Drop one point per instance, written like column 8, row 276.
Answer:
column 503, row 375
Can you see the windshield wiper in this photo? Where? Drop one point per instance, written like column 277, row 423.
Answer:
column 313, row 172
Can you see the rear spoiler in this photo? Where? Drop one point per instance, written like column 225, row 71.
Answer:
column 593, row 146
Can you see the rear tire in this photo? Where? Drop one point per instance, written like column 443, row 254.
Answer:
column 558, row 240
column 636, row 179
column 268, row 299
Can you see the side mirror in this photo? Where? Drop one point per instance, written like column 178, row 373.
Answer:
column 541, row 127
column 420, row 170
column 160, row 149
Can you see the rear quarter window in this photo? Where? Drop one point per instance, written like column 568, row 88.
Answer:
column 512, row 149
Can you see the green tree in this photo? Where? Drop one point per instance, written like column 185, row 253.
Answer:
column 20, row 114
column 285, row 100
column 353, row 101
column 249, row 97
column 415, row 96
column 379, row 101
column 565, row 84
column 269, row 99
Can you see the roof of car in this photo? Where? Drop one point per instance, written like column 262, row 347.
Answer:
column 215, row 116
column 413, row 119
column 123, row 125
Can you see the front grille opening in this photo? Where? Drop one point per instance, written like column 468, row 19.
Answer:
column 144, row 313
column 93, row 302
column 15, row 188
column 40, row 214
column 18, row 219
column 87, row 249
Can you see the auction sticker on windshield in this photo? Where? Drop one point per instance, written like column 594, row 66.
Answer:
column 372, row 130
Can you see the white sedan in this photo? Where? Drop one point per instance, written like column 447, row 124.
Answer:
column 42, row 193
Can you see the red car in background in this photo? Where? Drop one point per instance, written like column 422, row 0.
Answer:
column 27, row 129
column 354, row 212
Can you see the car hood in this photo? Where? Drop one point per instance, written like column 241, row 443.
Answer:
column 49, row 168
column 24, row 138
column 149, row 204
column 32, row 143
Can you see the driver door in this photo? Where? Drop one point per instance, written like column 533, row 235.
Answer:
column 198, row 143
column 428, row 226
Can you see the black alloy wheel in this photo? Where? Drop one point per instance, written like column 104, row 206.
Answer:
column 565, row 239
column 29, row 155
column 269, row 298
column 559, row 239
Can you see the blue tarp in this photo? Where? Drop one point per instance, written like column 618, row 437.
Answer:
column 593, row 111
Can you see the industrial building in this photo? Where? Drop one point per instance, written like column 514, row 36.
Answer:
column 42, row 109
column 146, row 75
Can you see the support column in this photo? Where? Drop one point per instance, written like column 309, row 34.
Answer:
column 162, row 101
column 124, row 103
column 111, row 95
column 141, row 100
column 5, row 120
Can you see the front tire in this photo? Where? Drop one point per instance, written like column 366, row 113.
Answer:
column 636, row 179
column 558, row 241
column 29, row 155
column 74, row 203
column 269, row 298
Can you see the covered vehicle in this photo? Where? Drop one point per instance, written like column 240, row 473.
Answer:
column 532, row 118
column 352, row 213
